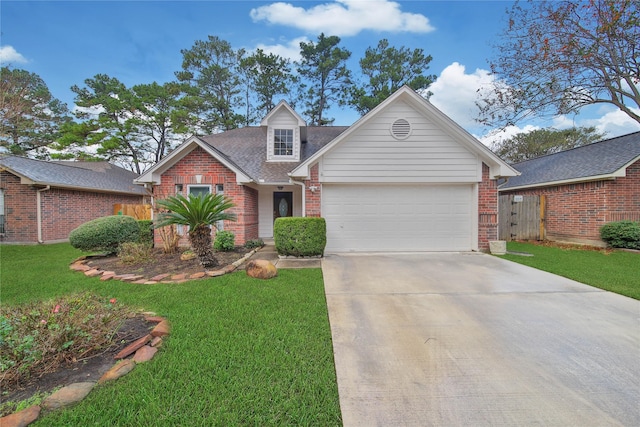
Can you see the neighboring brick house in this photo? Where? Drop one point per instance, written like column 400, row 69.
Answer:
column 402, row 178
column 41, row 202
column 584, row 188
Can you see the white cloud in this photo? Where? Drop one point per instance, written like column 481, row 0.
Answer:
column 289, row 50
column 455, row 93
column 614, row 123
column 8, row 55
column 344, row 17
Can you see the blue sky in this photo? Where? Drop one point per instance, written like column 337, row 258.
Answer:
column 66, row 42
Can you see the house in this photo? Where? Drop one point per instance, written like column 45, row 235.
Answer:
column 584, row 188
column 404, row 177
column 41, row 202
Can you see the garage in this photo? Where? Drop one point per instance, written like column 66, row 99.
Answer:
column 395, row 218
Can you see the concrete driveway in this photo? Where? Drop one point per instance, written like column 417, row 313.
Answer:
column 453, row 339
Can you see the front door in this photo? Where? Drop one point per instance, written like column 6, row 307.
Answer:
column 282, row 204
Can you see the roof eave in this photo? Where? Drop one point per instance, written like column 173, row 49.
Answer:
column 605, row 177
column 153, row 175
column 498, row 167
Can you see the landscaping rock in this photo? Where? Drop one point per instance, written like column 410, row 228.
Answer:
column 92, row 273
column 68, row 395
column 144, row 354
column 118, row 370
column 78, row 266
column 187, row 256
column 153, row 318
column 215, row 273
column 198, row 275
column 156, row 342
column 161, row 329
column 133, row 347
column 261, row 269
column 22, row 418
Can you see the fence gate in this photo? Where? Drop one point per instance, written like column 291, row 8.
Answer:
column 521, row 217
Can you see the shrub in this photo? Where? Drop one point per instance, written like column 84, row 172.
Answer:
column 135, row 253
column 105, row 234
column 37, row 337
column 300, row 236
column 146, row 231
column 621, row 234
column 252, row 244
column 225, row 241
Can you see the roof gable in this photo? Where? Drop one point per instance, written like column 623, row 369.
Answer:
column 87, row 176
column 283, row 110
column 154, row 174
column 498, row 168
column 606, row 159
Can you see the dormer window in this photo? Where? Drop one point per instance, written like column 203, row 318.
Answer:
column 285, row 130
column 283, row 142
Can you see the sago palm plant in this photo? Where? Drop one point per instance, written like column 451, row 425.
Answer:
column 199, row 213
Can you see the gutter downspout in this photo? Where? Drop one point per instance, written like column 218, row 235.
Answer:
column 39, row 211
column 304, row 201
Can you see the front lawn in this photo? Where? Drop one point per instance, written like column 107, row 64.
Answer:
column 241, row 352
column 616, row 271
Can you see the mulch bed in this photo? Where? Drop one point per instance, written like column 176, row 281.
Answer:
column 162, row 263
column 89, row 369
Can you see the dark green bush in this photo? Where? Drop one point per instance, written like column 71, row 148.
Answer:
column 621, row 234
column 252, row 244
column 146, row 231
column 225, row 241
column 105, row 234
column 298, row 236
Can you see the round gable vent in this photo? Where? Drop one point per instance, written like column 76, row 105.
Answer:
column 401, row 129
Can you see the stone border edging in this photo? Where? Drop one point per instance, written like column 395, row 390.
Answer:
column 143, row 350
column 80, row 265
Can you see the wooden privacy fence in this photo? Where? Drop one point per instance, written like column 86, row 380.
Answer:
column 136, row 211
column 521, row 217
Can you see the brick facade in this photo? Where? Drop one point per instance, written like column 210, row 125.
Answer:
column 62, row 210
column 487, row 210
column 211, row 172
column 575, row 212
column 313, row 198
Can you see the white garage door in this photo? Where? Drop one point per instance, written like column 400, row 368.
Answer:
column 398, row 217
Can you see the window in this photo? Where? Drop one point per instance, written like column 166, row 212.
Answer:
column 2, row 229
column 283, row 142
column 219, row 224
column 199, row 190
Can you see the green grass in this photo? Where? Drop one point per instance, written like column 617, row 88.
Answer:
column 616, row 271
column 242, row 351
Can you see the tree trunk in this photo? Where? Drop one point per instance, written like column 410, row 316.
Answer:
column 201, row 244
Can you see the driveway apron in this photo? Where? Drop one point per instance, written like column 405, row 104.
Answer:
column 464, row 339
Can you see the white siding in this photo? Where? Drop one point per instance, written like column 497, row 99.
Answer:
column 401, row 217
column 372, row 154
column 283, row 119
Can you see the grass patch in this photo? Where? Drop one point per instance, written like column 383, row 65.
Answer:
column 242, row 351
column 615, row 271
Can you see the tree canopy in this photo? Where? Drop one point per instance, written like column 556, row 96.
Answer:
column 211, row 69
column 540, row 142
column 323, row 66
column 555, row 57
column 387, row 69
column 30, row 117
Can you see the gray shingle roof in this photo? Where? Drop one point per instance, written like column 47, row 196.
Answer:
column 247, row 149
column 89, row 176
column 597, row 159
